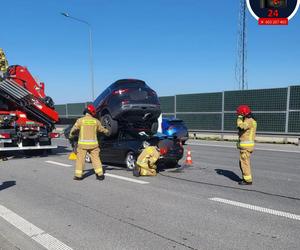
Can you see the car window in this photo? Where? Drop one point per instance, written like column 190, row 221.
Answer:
column 127, row 136
column 133, row 135
column 128, row 84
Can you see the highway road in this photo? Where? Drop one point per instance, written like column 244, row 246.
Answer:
column 194, row 207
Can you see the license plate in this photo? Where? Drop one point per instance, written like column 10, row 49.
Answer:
column 5, row 141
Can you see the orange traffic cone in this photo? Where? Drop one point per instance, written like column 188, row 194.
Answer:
column 189, row 157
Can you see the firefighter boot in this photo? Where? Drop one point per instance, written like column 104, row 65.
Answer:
column 243, row 182
column 77, row 178
column 100, row 177
column 136, row 171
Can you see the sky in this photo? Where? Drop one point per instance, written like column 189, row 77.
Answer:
column 176, row 46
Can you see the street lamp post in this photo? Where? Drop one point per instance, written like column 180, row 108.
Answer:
column 90, row 49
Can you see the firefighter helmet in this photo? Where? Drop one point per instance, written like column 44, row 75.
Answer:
column 90, row 109
column 243, row 110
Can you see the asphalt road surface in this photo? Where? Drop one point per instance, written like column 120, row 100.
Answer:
column 195, row 207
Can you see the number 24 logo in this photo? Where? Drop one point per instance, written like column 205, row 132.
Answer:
column 273, row 13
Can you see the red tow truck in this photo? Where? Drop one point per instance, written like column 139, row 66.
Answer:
column 27, row 115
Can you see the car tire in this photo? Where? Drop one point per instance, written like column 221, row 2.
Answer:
column 130, row 160
column 109, row 123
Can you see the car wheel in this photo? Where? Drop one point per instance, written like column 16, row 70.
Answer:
column 130, row 160
column 109, row 123
column 88, row 158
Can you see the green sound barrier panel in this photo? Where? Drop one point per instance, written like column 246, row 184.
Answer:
column 167, row 104
column 266, row 122
column 258, row 100
column 294, row 122
column 61, row 109
column 295, row 98
column 210, row 102
column 75, row 109
column 202, row 121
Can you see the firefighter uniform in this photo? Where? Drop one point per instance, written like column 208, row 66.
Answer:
column 3, row 61
column 88, row 127
column 247, row 131
column 146, row 162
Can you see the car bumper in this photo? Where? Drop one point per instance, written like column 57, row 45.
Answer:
column 138, row 111
column 172, row 156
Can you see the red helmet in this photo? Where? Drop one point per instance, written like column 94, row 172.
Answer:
column 91, row 109
column 243, row 110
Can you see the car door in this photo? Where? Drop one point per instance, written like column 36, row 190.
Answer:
column 128, row 142
column 106, row 146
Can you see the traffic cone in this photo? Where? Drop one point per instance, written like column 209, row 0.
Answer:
column 189, row 160
column 72, row 157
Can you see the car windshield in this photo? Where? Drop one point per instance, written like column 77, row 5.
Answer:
column 128, row 84
column 136, row 134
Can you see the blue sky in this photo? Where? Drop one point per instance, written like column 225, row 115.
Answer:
column 176, row 46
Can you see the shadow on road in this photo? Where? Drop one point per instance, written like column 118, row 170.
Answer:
column 229, row 174
column 37, row 153
column 7, row 184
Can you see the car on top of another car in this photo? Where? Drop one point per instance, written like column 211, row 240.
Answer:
column 128, row 103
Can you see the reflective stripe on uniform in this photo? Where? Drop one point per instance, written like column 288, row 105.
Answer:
column 98, row 170
column 247, row 178
column 89, row 122
column 246, row 143
column 88, row 143
column 78, row 173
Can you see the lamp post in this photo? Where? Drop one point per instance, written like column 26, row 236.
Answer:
column 90, row 48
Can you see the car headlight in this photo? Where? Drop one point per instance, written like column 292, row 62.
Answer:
column 146, row 144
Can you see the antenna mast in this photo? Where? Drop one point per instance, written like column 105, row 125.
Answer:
column 240, row 69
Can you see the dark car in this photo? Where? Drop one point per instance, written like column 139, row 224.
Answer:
column 175, row 127
column 128, row 103
column 127, row 145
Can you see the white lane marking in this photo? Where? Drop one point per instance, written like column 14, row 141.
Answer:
column 126, row 178
column 107, row 174
column 35, row 233
column 59, row 164
column 256, row 148
column 257, row 208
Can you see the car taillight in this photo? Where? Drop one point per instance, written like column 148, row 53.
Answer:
column 54, row 135
column 152, row 92
column 4, row 136
column 125, row 102
column 120, row 91
column 163, row 151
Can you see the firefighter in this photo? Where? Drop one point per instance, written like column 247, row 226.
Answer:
column 88, row 126
column 146, row 162
column 3, row 61
column 246, row 125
